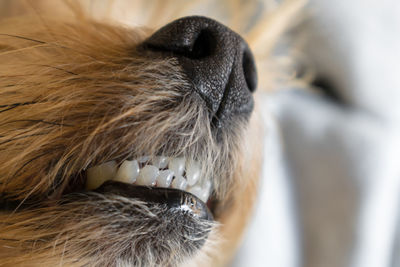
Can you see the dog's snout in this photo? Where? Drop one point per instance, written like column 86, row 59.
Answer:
column 216, row 60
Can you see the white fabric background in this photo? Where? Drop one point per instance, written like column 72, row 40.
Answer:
column 330, row 194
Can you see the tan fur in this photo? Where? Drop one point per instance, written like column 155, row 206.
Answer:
column 73, row 96
column 236, row 217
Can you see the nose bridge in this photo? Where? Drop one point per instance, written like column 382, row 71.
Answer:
column 216, row 60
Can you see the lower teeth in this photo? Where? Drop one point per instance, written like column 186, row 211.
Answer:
column 140, row 172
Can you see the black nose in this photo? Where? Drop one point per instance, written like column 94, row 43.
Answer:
column 217, row 61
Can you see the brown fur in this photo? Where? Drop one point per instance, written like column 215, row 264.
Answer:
column 78, row 93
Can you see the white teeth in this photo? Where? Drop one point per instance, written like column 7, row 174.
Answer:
column 196, row 190
column 164, row 172
column 179, row 183
column 204, row 195
column 164, row 178
column 207, row 185
column 127, row 172
column 97, row 175
column 206, row 191
column 177, row 165
column 192, row 173
column 147, row 175
column 160, row 162
column 201, row 192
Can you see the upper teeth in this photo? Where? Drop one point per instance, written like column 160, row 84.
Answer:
column 127, row 172
column 179, row 174
column 148, row 175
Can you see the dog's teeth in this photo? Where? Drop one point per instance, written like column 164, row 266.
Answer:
column 160, row 162
column 204, row 195
column 206, row 190
column 127, row 172
column 196, row 190
column 179, row 182
column 201, row 192
column 97, row 175
column 207, row 185
column 148, row 175
column 192, row 173
column 177, row 165
column 164, row 178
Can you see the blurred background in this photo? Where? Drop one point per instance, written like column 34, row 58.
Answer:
column 331, row 183
column 329, row 94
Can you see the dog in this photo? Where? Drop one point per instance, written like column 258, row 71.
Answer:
column 124, row 146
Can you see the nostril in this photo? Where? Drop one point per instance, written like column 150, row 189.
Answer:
column 216, row 61
column 203, row 46
column 249, row 71
column 179, row 41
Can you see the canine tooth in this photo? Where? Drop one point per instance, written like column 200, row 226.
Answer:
column 204, row 195
column 192, row 173
column 201, row 192
column 164, row 178
column 160, row 162
column 207, row 185
column 97, row 175
column 206, row 190
column 127, row 172
column 179, row 182
column 177, row 165
column 147, row 175
column 196, row 190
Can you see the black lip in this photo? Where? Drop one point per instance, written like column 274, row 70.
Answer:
column 174, row 199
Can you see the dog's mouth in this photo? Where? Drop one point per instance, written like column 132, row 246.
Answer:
column 169, row 181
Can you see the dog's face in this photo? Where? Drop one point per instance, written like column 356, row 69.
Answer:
column 120, row 147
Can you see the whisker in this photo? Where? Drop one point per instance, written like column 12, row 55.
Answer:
column 18, row 104
column 12, row 106
column 37, row 121
column 23, row 38
column 13, row 51
column 58, row 68
column 21, row 137
column 41, row 19
column 47, row 43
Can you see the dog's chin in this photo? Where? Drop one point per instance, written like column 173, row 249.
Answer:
column 162, row 224
column 183, row 203
column 119, row 223
column 141, row 225
column 108, row 110
column 171, row 220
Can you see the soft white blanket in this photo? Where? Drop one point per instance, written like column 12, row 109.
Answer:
column 330, row 194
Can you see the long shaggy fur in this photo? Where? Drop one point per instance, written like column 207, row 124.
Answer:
column 87, row 98
column 77, row 93
column 101, row 230
column 72, row 98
